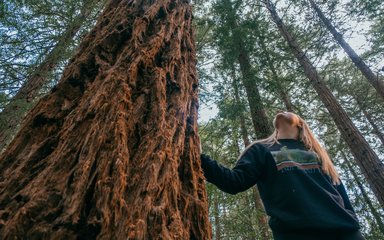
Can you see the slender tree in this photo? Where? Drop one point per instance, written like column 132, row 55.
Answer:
column 373, row 79
column 370, row 164
column 261, row 214
column 216, row 204
column 375, row 213
column 249, row 80
column 112, row 151
column 282, row 93
column 367, row 115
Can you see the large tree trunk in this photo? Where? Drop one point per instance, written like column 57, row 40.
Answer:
column 113, row 152
column 364, row 193
column 373, row 79
column 371, row 166
column 13, row 113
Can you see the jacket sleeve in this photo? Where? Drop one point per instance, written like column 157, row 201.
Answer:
column 250, row 168
column 341, row 189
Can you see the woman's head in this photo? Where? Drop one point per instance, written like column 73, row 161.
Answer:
column 288, row 123
column 292, row 123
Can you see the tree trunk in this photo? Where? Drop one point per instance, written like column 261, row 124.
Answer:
column 262, row 216
column 376, row 129
column 364, row 193
column 240, row 108
column 250, row 226
column 258, row 115
column 14, row 112
column 371, row 166
column 280, row 90
column 217, row 218
column 373, row 79
column 113, row 152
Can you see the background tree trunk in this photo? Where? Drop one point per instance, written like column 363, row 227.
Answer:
column 112, row 152
column 13, row 113
column 258, row 115
column 217, row 218
column 369, row 163
column 283, row 94
column 373, row 79
column 262, row 216
column 364, row 193
column 375, row 128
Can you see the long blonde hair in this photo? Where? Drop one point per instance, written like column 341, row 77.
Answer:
column 309, row 140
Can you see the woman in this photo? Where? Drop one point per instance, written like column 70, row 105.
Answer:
column 298, row 183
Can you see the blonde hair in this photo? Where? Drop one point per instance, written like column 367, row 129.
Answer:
column 309, row 140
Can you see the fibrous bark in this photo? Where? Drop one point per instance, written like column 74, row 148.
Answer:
column 112, row 151
column 370, row 164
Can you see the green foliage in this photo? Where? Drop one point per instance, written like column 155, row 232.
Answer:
column 275, row 70
column 30, row 29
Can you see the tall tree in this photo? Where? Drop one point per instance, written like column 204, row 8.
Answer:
column 283, row 94
column 373, row 79
column 13, row 112
column 375, row 127
column 375, row 213
column 249, row 80
column 216, row 213
column 112, row 151
column 261, row 214
column 370, row 164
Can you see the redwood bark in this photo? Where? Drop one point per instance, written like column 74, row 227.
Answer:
column 369, row 163
column 112, row 152
column 13, row 113
column 372, row 78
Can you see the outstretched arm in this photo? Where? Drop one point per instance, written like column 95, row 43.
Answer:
column 247, row 171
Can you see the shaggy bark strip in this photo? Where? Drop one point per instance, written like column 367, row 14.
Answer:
column 112, row 152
